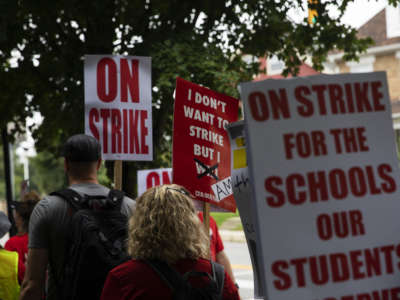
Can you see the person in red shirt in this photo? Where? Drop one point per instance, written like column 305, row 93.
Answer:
column 22, row 213
column 217, row 247
column 164, row 226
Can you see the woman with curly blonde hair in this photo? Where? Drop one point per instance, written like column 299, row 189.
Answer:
column 163, row 227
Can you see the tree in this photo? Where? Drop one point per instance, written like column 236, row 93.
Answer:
column 201, row 41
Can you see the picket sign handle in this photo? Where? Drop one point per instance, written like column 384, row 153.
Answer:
column 206, row 217
column 118, row 174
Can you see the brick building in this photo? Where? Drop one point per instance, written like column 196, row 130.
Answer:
column 384, row 55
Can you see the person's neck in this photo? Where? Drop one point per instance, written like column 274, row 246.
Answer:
column 86, row 180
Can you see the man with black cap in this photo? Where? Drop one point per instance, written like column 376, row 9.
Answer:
column 51, row 217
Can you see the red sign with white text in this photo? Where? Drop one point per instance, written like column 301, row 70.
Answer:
column 118, row 105
column 201, row 153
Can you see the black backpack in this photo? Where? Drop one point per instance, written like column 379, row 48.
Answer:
column 182, row 289
column 95, row 244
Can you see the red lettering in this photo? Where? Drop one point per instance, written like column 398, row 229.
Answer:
column 152, row 180
column 270, row 186
column 349, row 97
column 105, row 114
column 320, row 90
column 357, row 226
column 361, row 91
column 340, row 224
column 377, row 95
column 258, row 106
column 289, row 145
column 277, row 269
column 133, row 132
column 319, row 271
column 324, row 227
column 94, row 118
column 372, row 262
column 299, row 266
column 116, row 137
column 340, row 267
column 395, row 293
column 165, row 177
column 387, row 251
column 126, row 134
column 358, row 184
column 317, row 187
column 307, row 108
column 374, row 190
column 279, row 104
column 103, row 94
column 129, row 81
column 356, row 264
column 336, row 97
column 390, row 185
column 337, row 180
column 291, row 182
column 143, row 132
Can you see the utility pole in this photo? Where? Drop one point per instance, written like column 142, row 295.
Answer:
column 9, row 176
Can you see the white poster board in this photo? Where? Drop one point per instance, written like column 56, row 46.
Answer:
column 324, row 169
column 153, row 177
column 243, row 195
column 118, row 105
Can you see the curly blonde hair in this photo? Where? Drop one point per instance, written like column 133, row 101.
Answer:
column 165, row 226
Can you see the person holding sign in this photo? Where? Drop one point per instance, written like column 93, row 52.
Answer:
column 165, row 228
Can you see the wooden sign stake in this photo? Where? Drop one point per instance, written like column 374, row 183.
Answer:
column 118, row 174
column 206, row 217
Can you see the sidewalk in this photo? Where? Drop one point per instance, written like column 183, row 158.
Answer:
column 228, row 234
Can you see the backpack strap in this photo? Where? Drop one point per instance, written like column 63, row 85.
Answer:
column 171, row 277
column 115, row 198
column 78, row 201
column 219, row 276
column 71, row 196
column 174, row 280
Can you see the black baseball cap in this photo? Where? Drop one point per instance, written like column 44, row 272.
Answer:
column 81, row 148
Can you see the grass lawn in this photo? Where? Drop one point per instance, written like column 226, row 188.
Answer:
column 220, row 217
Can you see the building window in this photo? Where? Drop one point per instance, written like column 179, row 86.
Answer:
column 274, row 66
column 366, row 64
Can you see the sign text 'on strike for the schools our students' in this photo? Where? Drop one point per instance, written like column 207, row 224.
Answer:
column 323, row 161
column 118, row 105
column 201, row 152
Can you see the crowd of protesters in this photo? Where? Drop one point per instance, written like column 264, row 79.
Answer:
column 164, row 228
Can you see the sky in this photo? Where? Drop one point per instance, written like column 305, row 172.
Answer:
column 361, row 11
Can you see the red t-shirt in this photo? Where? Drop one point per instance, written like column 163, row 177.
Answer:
column 18, row 243
column 135, row 280
column 216, row 244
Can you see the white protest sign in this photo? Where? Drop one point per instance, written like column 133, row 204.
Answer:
column 242, row 193
column 149, row 178
column 153, row 177
column 118, row 105
column 324, row 169
column 222, row 189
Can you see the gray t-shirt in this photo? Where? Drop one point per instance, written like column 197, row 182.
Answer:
column 49, row 224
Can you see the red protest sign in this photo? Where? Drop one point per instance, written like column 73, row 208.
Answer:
column 201, row 153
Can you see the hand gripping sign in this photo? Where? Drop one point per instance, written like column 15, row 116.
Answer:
column 118, row 105
column 201, row 152
column 324, row 169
